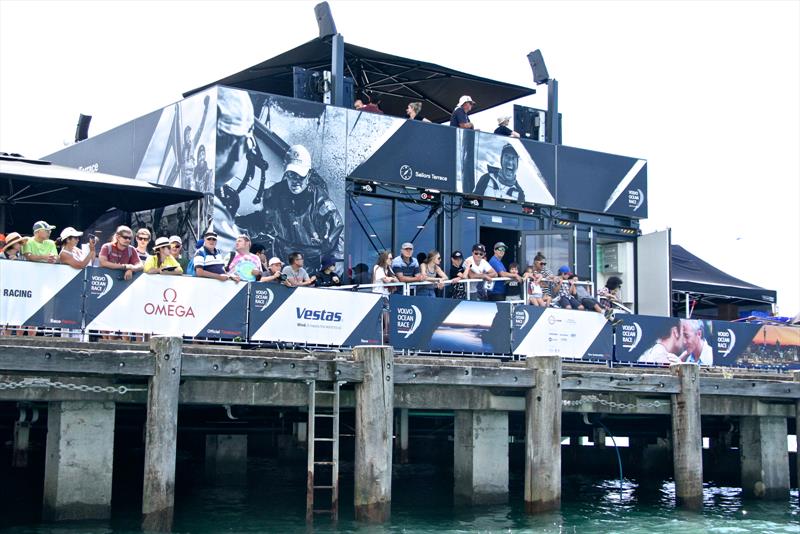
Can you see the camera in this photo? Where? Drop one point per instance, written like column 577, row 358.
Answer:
column 283, row 277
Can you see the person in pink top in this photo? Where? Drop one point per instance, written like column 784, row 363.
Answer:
column 243, row 262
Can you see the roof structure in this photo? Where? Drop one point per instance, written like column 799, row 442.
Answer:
column 393, row 80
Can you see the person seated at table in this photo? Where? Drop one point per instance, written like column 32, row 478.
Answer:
column 162, row 261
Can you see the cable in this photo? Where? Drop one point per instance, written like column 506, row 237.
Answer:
column 616, row 449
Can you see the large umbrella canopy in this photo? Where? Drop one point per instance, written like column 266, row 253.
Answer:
column 31, row 190
column 691, row 274
column 393, row 80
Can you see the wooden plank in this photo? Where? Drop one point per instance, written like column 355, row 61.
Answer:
column 749, row 388
column 462, row 375
column 245, row 367
column 57, row 359
column 619, row 382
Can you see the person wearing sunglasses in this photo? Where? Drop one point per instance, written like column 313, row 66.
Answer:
column 143, row 238
column 209, row 262
column 477, row 266
column 120, row 255
column 545, row 275
column 176, row 249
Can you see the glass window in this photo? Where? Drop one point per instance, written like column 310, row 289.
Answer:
column 469, row 233
column 555, row 247
column 369, row 231
column 415, row 224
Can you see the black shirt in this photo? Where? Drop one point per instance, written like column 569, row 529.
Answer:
column 327, row 279
column 503, row 130
column 457, row 290
column 459, row 117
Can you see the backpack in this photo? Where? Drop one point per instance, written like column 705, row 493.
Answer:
column 190, row 270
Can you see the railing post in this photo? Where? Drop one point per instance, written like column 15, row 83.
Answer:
column 158, row 497
column 687, row 438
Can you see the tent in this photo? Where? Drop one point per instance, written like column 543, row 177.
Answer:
column 711, row 286
column 31, row 190
column 393, row 80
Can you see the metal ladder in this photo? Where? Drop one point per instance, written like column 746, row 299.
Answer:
column 327, row 478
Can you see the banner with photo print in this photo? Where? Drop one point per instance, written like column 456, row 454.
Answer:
column 759, row 346
column 575, row 334
column 654, row 340
column 40, row 294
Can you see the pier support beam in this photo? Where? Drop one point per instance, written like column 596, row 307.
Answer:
column 687, row 439
column 764, row 457
column 226, row 455
column 543, row 435
column 374, row 414
column 796, row 375
column 22, row 432
column 481, row 456
column 403, row 436
column 80, row 460
column 158, row 499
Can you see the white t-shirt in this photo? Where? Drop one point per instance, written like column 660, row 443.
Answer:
column 378, row 274
column 658, row 354
column 479, row 268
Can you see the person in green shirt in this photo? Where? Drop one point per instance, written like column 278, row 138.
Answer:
column 41, row 248
column 162, row 261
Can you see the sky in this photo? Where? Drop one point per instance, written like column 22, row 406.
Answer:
column 707, row 92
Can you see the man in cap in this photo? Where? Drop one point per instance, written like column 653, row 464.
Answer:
column 502, row 182
column 40, row 247
column 209, row 261
column 456, row 290
column 298, row 214
column 176, row 249
column 406, row 266
column 476, row 266
column 460, row 116
column 498, row 290
column 274, row 272
column 503, row 129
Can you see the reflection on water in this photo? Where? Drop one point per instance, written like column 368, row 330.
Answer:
column 460, row 339
column 272, row 499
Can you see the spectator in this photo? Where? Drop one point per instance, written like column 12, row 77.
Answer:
column 503, row 129
column 209, row 262
column 243, row 262
column 382, row 274
column 296, row 275
column 536, row 296
column 406, row 266
column 366, row 104
column 498, row 290
column 119, row 254
column 327, row 277
column 143, row 238
column 41, row 248
column 433, row 273
column 457, row 289
column 610, row 293
column 583, row 296
column 12, row 249
column 274, row 272
column 176, row 249
column 477, row 267
column 259, row 250
column 460, row 117
column 413, row 112
column 565, row 298
column 515, row 288
column 546, row 278
column 70, row 253
column 162, row 261
column 2, row 241
column 360, row 274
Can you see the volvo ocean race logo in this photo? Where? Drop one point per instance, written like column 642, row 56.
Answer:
column 263, row 298
column 521, row 318
column 100, row 285
column 631, row 336
column 726, row 340
column 406, row 172
column 635, row 198
column 168, row 307
column 408, row 320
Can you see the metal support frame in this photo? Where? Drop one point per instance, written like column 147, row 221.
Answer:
column 551, row 119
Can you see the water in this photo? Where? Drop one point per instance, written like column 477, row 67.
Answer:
column 272, row 499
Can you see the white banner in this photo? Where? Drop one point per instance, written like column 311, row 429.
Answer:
column 317, row 316
column 28, row 291
column 162, row 304
column 566, row 333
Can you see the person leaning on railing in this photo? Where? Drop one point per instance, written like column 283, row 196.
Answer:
column 119, row 254
column 209, row 262
column 432, row 273
column 71, row 254
column 162, row 261
column 40, row 247
column 12, row 251
column 327, row 277
column 274, row 272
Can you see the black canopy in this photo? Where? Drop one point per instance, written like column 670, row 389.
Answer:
column 690, row 274
column 393, row 80
column 31, row 190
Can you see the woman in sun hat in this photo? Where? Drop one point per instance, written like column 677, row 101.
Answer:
column 162, row 261
column 70, row 253
column 12, row 249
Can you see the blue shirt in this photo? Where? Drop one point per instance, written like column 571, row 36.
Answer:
column 498, row 288
column 459, row 117
column 408, row 269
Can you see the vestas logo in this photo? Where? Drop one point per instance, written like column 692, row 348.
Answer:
column 100, row 285
column 168, row 306
column 635, row 198
column 521, row 318
column 263, row 298
column 406, row 172
column 726, row 340
column 318, row 315
column 631, row 336
column 408, row 320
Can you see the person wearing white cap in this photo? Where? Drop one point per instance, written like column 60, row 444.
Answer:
column 298, row 214
column 460, row 117
column 274, row 274
column 176, row 249
column 41, row 248
column 162, row 261
column 503, row 129
column 70, row 253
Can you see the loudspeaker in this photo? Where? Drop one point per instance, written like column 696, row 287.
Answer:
column 82, row 131
column 325, row 20
column 538, row 67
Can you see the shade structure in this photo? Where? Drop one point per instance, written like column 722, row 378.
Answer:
column 393, row 80
column 713, row 286
column 31, row 190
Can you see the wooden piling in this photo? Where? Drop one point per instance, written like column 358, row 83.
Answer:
column 158, row 500
column 404, row 436
column 373, row 454
column 796, row 375
column 687, row 439
column 543, row 435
